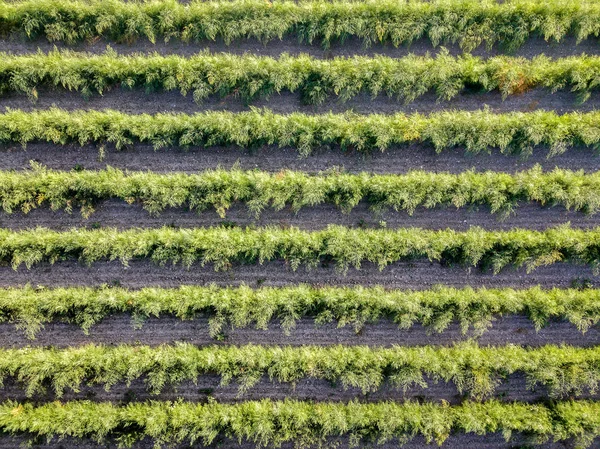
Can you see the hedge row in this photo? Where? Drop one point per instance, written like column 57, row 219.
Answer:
column 239, row 307
column 476, row 371
column 271, row 424
column 251, row 77
column 258, row 190
column 339, row 245
column 468, row 23
column 477, row 131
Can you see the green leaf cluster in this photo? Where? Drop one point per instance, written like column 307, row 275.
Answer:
column 258, row 190
column 269, row 423
column 223, row 246
column 469, row 23
column 251, row 77
column 476, row 131
column 240, row 307
column 476, row 371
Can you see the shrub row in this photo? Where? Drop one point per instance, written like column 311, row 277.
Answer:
column 251, row 77
column 271, row 424
column 476, row 371
column 477, row 131
column 239, row 307
column 339, row 245
column 468, row 23
column 258, row 190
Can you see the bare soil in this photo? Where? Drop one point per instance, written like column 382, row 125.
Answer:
column 455, row 441
column 417, row 274
column 136, row 101
column 167, row 329
column 119, row 214
column 509, row 389
column 290, row 45
column 398, row 159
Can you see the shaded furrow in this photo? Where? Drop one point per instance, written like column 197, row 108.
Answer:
column 454, row 441
column 137, row 101
column 274, row 159
column 513, row 388
column 155, row 331
column 119, row 214
column 417, row 274
column 534, row 46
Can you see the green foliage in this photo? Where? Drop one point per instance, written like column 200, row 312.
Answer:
column 476, row 371
column 251, row 77
column 343, row 246
column 258, row 190
column 477, row 131
column 242, row 306
column 470, row 23
column 269, row 423
column 239, row 307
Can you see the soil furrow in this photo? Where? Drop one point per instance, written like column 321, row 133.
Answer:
column 417, row 274
column 290, row 45
column 138, row 101
column 512, row 388
column 274, row 159
column 119, row 214
column 454, row 441
column 121, row 328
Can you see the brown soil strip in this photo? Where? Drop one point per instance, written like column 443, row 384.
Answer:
column 119, row 214
column 513, row 388
column 455, row 441
column 273, row 159
column 418, row 274
column 138, row 101
column 290, row 45
column 166, row 329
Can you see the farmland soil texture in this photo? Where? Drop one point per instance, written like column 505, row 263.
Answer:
column 562, row 86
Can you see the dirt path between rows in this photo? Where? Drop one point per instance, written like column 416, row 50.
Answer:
column 418, row 274
column 513, row 388
column 399, row 159
column 351, row 46
column 119, row 214
column 120, row 328
column 454, row 441
column 138, row 101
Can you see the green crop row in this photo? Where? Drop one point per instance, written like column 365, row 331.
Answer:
column 468, row 23
column 342, row 246
column 476, row 371
column 251, row 77
column 258, row 190
column 239, row 307
column 477, row 131
column 270, row 424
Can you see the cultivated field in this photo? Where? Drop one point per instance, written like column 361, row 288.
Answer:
column 310, row 223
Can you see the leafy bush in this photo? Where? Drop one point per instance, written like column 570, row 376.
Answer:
column 271, row 424
column 250, row 77
column 477, row 131
column 468, row 23
column 239, row 307
column 219, row 189
column 474, row 370
column 343, row 246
